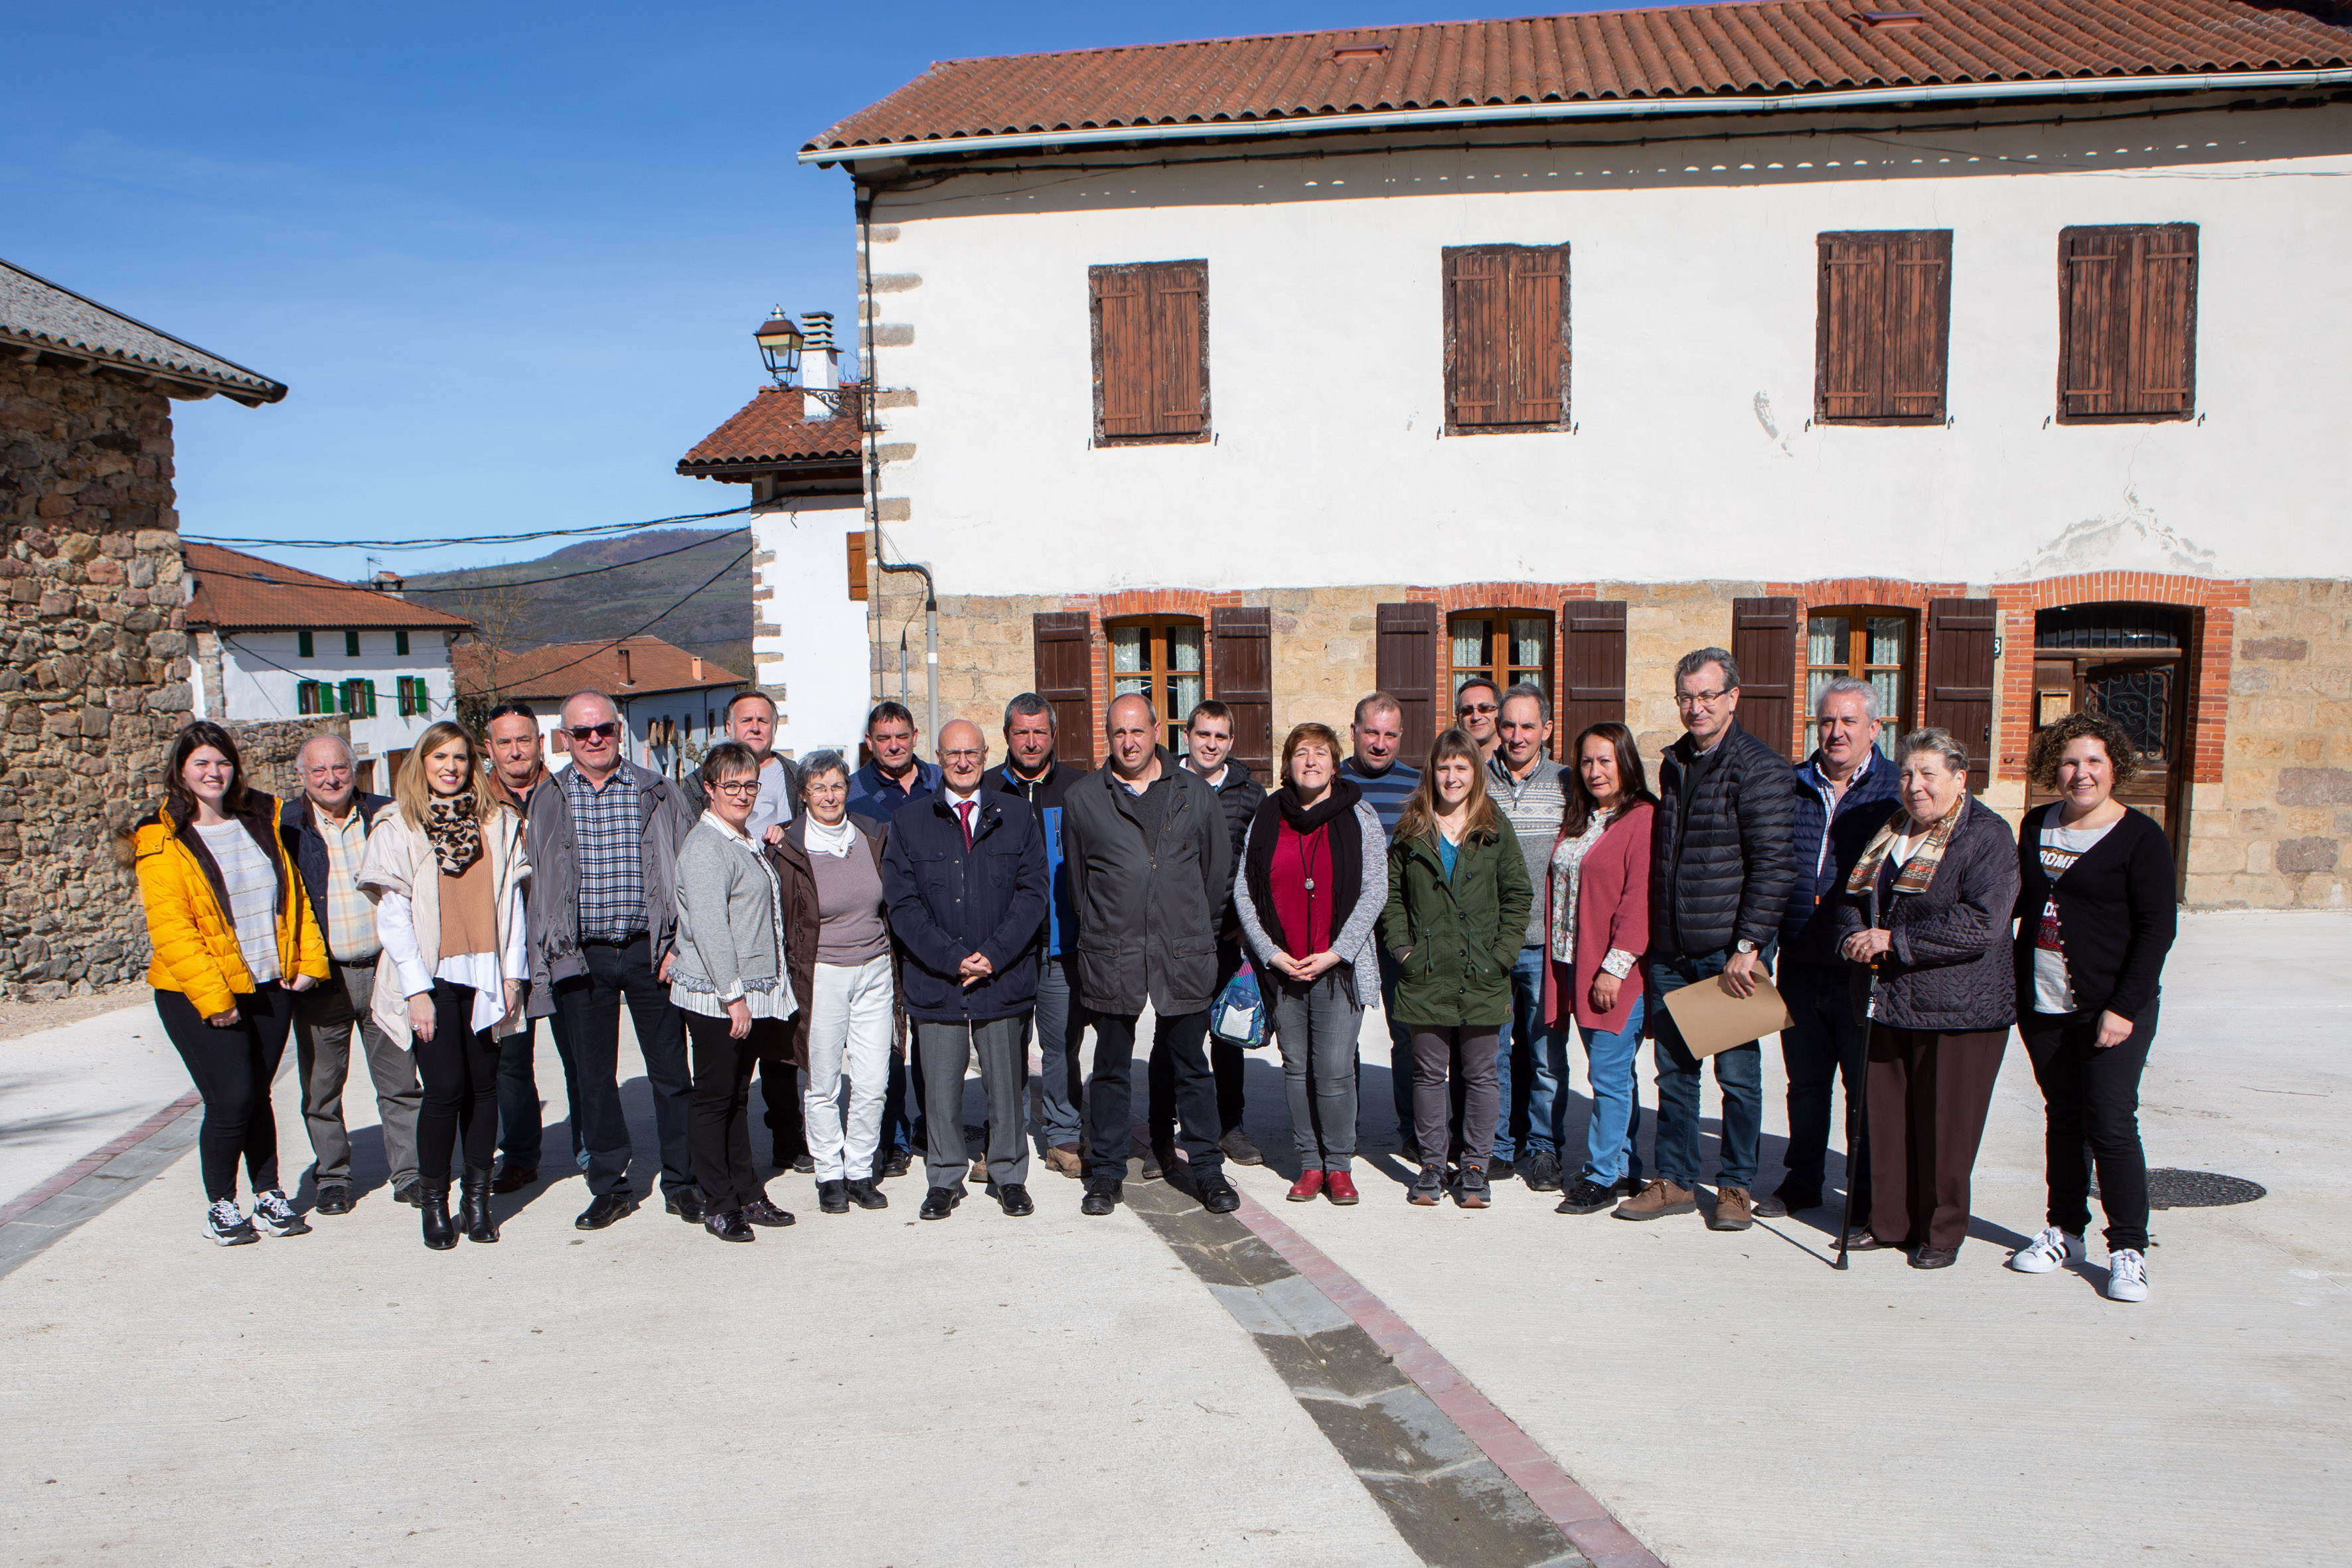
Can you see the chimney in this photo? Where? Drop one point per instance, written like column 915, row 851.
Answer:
column 389, row 584
column 820, row 361
column 698, row 669
column 626, row 678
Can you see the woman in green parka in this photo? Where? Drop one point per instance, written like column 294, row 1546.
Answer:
column 1457, row 917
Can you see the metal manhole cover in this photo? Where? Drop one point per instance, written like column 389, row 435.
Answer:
column 2174, row 1189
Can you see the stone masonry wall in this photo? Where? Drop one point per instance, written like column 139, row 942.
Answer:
column 94, row 667
column 2274, row 833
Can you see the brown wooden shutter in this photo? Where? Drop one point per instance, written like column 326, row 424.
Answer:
column 1065, row 677
column 1884, row 321
column 1592, row 670
column 1477, row 336
column 2162, row 356
column 2127, row 322
column 857, row 565
column 1151, row 348
column 1764, row 641
column 1960, row 677
column 1506, row 336
column 2096, row 290
column 1539, row 287
column 1406, row 668
column 1241, row 642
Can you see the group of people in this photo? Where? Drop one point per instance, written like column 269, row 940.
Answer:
column 810, row 922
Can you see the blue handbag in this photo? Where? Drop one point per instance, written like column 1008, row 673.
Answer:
column 1239, row 1017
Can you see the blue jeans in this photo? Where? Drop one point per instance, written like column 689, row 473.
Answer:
column 1061, row 1022
column 518, row 1107
column 1616, row 1125
column 1525, row 1033
column 1738, row 1072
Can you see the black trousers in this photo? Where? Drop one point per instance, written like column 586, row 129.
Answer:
column 1823, row 1044
column 232, row 1068
column 588, row 1021
column 2092, row 1096
column 779, row 1087
column 718, row 1111
column 1110, row 1092
column 458, row 1068
column 1225, row 1062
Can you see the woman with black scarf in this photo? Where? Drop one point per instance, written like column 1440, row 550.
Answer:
column 1315, row 876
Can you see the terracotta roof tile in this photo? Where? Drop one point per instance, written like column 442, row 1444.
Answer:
column 773, row 428
column 235, row 592
column 557, row 670
column 1732, row 48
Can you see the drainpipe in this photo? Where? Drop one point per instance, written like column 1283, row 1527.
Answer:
column 930, row 648
column 865, row 197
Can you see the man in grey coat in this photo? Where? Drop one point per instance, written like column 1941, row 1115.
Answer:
column 603, row 836
column 1151, row 865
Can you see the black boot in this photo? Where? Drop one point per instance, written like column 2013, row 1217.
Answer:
column 473, row 1206
column 433, row 1203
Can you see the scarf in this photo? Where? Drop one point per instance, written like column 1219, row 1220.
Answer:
column 1920, row 870
column 1342, row 796
column 836, row 840
column 1281, row 809
column 454, row 833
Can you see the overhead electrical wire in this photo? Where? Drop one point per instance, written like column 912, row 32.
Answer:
column 568, row 576
column 594, row 530
column 592, row 653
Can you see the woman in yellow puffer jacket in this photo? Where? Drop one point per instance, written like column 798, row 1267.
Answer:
column 234, row 937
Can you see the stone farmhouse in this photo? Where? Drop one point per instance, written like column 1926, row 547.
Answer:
column 1984, row 349
column 96, row 673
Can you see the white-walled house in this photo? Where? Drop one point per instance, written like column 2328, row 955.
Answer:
column 1990, row 352
column 799, row 446
column 275, row 643
column 673, row 703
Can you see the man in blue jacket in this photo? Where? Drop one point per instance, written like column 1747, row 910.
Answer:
column 1845, row 792
column 964, row 875
column 1034, row 772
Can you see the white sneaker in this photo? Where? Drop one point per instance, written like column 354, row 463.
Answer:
column 225, row 1223
column 2126, row 1275
column 273, row 1214
column 2053, row 1250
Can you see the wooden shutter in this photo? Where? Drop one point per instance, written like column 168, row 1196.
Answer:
column 1883, row 324
column 1241, row 639
column 856, row 538
column 1960, row 677
column 2127, row 322
column 1151, row 351
column 1065, row 677
column 1406, row 668
column 1764, row 641
column 1592, row 670
column 1506, row 336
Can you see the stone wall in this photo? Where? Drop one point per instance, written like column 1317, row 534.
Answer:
column 2273, row 832
column 94, row 667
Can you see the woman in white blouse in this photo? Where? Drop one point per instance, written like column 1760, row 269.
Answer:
column 447, row 871
column 729, row 970
column 1596, row 928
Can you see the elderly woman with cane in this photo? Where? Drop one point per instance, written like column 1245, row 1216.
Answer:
column 1925, row 919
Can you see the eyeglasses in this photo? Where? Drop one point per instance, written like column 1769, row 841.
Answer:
column 592, row 731
column 1700, row 699
column 742, row 789
column 1478, row 707
column 964, row 756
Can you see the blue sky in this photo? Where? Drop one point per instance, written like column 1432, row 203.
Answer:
column 507, row 257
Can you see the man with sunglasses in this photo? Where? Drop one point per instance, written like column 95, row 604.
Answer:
column 1476, row 707
column 603, row 835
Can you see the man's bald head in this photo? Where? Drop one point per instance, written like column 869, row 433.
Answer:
column 1134, row 733
column 962, row 755
column 329, row 773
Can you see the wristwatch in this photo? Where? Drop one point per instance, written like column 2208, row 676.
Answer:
column 1743, row 946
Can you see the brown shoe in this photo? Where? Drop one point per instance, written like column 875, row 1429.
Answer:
column 1064, row 1158
column 1657, row 1201
column 1733, row 1209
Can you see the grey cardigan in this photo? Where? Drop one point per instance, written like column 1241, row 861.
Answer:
column 1353, row 939
column 727, row 917
column 1948, row 969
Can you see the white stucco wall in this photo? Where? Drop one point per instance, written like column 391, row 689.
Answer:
column 1692, row 297
column 817, row 655
column 259, row 671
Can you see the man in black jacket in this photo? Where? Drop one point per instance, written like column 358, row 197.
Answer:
column 1721, row 862
column 1209, row 741
column 1151, row 866
column 964, row 875
column 325, row 831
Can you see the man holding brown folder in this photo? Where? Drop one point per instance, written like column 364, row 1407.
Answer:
column 1722, row 862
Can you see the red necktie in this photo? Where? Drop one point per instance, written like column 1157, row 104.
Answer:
column 963, row 810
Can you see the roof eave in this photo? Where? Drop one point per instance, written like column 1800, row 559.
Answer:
column 1595, row 108
column 171, row 379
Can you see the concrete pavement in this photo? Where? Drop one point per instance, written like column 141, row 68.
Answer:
column 869, row 1390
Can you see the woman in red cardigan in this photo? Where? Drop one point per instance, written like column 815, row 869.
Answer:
column 1596, row 928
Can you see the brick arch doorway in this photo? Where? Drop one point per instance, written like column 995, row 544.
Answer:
column 2135, row 664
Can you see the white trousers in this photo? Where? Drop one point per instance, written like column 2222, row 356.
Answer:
column 849, row 1035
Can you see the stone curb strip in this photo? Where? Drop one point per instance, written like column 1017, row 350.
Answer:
column 30, row 1221
column 1463, row 1484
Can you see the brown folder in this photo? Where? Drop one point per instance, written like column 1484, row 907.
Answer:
column 1712, row 1019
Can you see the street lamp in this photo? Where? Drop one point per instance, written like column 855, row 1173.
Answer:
column 780, row 341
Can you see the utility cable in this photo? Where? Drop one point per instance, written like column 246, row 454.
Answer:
column 592, row 653
column 594, row 530
column 589, row 572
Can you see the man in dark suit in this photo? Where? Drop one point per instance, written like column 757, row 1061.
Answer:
column 325, row 831
column 964, row 875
